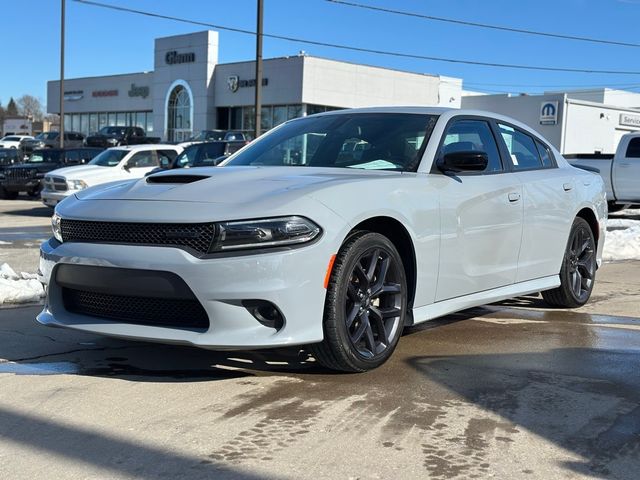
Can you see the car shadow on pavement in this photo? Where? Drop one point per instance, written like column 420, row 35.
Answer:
column 111, row 455
column 583, row 400
column 36, row 211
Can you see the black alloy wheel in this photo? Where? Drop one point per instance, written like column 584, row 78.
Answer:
column 366, row 305
column 578, row 272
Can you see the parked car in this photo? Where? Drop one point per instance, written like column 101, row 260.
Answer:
column 52, row 140
column 620, row 172
column 13, row 141
column 206, row 154
column 117, row 163
column 8, row 157
column 115, row 136
column 442, row 211
column 27, row 177
column 215, row 136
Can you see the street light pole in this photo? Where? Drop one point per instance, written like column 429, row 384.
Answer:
column 258, row 102
column 62, row 6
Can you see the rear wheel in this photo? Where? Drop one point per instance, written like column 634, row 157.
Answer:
column 365, row 307
column 578, row 271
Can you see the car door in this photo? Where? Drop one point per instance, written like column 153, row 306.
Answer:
column 626, row 172
column 480, row 215
column 141, row 163
column 549, row 197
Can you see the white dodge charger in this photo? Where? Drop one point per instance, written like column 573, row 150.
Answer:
column 334, row 231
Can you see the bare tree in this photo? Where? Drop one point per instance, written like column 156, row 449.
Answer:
column 31, row 107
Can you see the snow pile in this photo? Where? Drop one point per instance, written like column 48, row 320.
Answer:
column 622, row 241
column 19, row 288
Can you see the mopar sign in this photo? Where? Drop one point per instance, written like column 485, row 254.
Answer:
column 549, row 113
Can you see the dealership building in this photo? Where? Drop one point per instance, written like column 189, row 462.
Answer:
column 188, row 91
column 575, row 122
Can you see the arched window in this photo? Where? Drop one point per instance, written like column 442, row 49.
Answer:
column 179, row 115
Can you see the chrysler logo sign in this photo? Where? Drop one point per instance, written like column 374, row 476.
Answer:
column 173, row 57
column 234, row 83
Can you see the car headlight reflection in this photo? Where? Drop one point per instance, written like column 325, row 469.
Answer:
column 56, row 226
column 269, row 232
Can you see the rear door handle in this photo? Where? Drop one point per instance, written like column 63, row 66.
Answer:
column 514, row 197
column 567, row 187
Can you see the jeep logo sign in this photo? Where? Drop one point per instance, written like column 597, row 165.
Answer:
column 173, row 57
column 549, row 113
column 138, row 91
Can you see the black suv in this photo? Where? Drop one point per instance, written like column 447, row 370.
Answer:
column 115, row 136
column 206, row 154
column 27, row 177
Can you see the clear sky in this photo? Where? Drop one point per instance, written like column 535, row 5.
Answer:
column 101, row 42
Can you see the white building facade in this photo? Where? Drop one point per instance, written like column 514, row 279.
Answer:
column 190, row 91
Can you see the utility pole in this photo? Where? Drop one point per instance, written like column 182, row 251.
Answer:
column 258, row 102
column 62, row 5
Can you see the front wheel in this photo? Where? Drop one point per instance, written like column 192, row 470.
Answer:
column 578, row 271
column 365, row 307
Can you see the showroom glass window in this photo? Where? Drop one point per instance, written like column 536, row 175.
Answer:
column 179, row 115
column 473, row 136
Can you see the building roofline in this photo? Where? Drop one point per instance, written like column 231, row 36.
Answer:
column 103, row 76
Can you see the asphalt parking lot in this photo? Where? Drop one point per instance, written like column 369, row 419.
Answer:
column 513, row 390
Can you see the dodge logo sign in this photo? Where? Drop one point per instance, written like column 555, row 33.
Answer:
column 233, row 82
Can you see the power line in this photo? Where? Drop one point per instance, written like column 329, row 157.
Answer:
column 485, row 25
column 360, row 49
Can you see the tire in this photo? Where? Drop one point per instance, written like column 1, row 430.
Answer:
column 578, row 271
column 365, row 307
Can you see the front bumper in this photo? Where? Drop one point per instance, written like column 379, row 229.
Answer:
column 292, row 280
column 51, row 198
column 22, row 186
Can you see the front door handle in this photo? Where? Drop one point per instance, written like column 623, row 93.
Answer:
column 514, row 197
column 567, row 187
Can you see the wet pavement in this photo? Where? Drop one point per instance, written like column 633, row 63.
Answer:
column 513, row 390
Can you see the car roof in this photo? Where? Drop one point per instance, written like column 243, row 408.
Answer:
column 146, row 146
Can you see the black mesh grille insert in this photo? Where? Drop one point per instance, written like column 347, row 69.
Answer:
column 160, row 312
column 194, row 236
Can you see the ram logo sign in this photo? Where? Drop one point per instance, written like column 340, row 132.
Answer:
column 549, row 113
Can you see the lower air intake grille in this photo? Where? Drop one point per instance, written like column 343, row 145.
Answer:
column 159, row 312
column 193, row 236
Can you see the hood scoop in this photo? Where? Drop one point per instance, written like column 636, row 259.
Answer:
column 176, row 178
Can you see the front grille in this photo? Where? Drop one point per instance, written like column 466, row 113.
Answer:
column 160, row 312
column 55, row 184
column 19, row 174
column 197, row 237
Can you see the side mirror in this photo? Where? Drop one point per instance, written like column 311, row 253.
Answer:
column 126, row 167
column 468, row 161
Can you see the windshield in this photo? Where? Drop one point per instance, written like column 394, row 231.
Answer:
column 112, row 131
column 371, row 141
column 45, row 156
column 207, row 135
column 188, row 157
column 109, row 158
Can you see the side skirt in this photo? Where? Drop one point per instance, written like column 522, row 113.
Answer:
column 444, row 307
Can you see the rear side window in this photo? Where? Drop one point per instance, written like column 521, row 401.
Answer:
column 521, row 147
column 473, row 136
column 166, row 157
column 545, row 154
column 633, row 150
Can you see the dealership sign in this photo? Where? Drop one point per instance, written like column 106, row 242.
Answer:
column 173, row 57
column 73, row 95
column 234, row 83
column 104, row 93
column 137, row 91
column 549, row 113
column 629, row 120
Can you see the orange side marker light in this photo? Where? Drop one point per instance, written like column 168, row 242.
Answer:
column 329, row 270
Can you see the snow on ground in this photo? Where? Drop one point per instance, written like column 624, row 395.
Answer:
column 19, row 288
column 622, row 241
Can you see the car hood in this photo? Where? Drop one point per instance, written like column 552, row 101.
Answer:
column 82, row 172
column 231, row 185
column 38, row 167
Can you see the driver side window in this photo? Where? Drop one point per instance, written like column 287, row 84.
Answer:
column 472, row 136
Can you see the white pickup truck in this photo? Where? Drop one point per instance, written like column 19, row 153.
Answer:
column 621, row 174
column 118, row 163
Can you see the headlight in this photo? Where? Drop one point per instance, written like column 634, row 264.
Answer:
column 56, row 227
column 76, row 184
column 269, row 232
